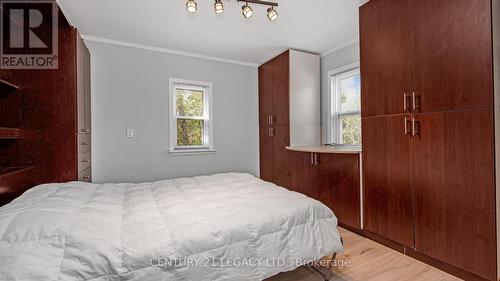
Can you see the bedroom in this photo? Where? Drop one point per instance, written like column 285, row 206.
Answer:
column 249, row 140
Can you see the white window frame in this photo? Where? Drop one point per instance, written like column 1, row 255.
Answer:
column 208, row 139
column 334, row 128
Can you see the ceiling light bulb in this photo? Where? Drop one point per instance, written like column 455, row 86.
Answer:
column 272, row 14
column 246, row 11
column 219, row 7
column 191, row 6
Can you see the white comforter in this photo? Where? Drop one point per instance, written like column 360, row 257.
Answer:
column 219, row 227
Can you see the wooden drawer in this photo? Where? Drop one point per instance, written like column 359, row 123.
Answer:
column 83, row 143
column 83, row 161
column 85, row 175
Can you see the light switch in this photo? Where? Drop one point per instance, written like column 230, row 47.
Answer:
column 130, row 133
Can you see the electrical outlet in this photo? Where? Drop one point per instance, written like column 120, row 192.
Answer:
column 130, row 133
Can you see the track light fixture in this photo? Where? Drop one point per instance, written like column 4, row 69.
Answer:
column 246, row 10
column 272, row 15
column 191, row 6
column 219, row 7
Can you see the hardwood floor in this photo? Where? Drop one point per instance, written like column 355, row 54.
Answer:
column 370, row 261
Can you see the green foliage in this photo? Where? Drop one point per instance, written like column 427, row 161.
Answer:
column 351, row 130
column 189, row 103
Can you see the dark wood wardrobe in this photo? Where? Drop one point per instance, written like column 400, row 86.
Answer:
column 45, row 119
column 428, row 131
column 331, row 178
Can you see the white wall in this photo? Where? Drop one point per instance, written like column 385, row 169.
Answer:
column 130, row 90
column 340, row 58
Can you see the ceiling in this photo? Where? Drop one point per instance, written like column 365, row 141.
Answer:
column 317, row 26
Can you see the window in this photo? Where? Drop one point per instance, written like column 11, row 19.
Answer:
column 191, row 122
column 346, row 106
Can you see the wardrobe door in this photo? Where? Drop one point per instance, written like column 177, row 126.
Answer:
column 280, row 139
column 265, row 95
column 453, row 179
column 452, row 54
column 302, row 173
column 266, row 154
column 339, row 186
column 387, row 191
column 385, row 57
column 281, row 89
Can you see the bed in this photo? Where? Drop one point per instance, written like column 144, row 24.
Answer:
column 221, row 227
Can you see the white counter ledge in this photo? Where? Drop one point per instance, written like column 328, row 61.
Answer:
column 326, row 149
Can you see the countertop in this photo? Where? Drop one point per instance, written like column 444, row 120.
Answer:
column 326, row 149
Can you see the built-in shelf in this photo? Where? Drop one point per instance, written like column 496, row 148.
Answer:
column 6, row 87
column 10, row 133
column 14, row 180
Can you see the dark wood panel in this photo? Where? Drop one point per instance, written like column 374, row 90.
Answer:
column 303, row 175
column 281, row 89
column 387, row 191
column 452, row 54
column 265, row 94
column 266, row 154
column 339, row 186
column 281, row 139
column 385, row 56
column 453, row 179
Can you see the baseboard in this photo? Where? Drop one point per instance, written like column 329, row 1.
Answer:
column 384, row 241
column 460, row 273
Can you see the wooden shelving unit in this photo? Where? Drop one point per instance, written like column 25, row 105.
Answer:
column 10, row 133
column 13, row 181
column 7, row 87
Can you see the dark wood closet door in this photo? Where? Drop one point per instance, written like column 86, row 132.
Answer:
column 387, row 191
column 385, row 56
column 339, row 188
column 452, row 54
column 281, row 89
column 265, row 95
column 280, row 139
column 266, row 154
column 303, row 175
column 453, row 179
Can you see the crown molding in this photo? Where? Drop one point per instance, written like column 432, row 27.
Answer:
column 164, row 50
column 340, row 46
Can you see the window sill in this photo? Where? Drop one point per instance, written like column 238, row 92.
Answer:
column 192, row 151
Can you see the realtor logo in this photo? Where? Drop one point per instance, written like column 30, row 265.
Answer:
column 28, row 34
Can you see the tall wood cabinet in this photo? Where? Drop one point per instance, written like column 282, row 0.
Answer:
column 289, row 116
column 428, row 131
column 282, row 118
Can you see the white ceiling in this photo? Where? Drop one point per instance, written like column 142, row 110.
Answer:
column 316, row 26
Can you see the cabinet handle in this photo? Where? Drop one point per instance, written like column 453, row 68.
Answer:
column 406, row 106
column 312, row 158
column 414, row 99
column 271, row 132
column 316, row 159
column 415, row 127
column 86, row 161
column 85, row 131
column 407, row 128
column 85, row 143
column 271, row 119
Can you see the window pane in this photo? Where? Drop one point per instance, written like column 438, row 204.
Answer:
column 188, row 103
column 350, row 93
column 351, row 129
column 189, row 132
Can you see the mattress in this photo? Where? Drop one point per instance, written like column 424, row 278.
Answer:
column 221, row 227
